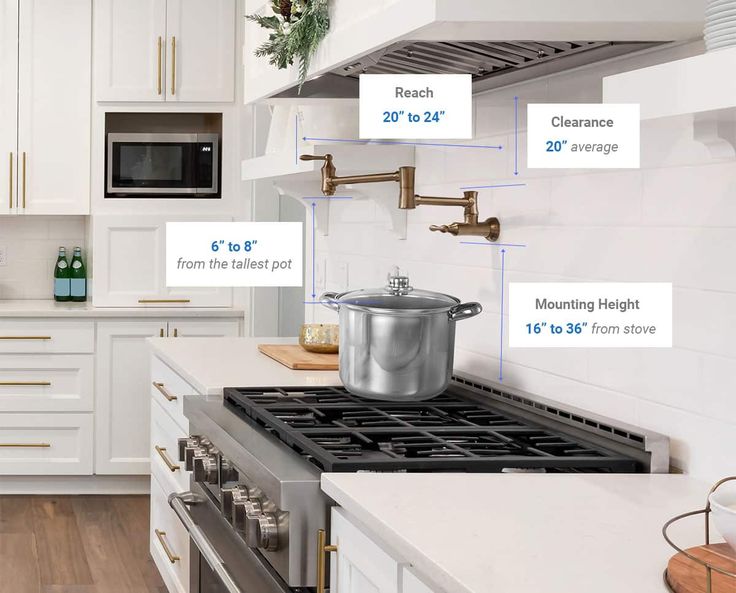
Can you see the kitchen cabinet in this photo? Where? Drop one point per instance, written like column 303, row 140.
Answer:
column 45, row 128
column 165, row 50
column 129, row 267
column 123, row 390
column 361, row 564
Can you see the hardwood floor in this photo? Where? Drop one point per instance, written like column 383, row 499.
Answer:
column 76, row 544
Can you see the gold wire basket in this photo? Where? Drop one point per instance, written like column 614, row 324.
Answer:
column 709, row 568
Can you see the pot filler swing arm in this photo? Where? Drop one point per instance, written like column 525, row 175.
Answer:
column 489, row 228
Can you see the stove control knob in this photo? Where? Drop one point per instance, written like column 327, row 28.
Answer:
column 243, row 509
column 228, row 473
column 231, row 497
column 190, row 453
column 187, row 443
column 205, row 469
column 268, row 532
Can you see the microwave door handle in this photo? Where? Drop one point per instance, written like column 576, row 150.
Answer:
column 179, row 502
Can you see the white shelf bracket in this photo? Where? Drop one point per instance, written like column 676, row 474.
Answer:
column 717, row 130
column 321, row 205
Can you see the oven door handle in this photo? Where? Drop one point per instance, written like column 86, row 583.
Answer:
column 179, row 502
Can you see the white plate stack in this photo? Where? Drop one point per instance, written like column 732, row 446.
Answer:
column 720, row 24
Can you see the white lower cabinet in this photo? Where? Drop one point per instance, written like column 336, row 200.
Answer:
column 169, row 540
column 362, row 565
column 46, row 444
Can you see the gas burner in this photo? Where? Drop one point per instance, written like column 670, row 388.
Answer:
column 337, row 431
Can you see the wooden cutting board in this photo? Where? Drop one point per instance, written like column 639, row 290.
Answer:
column 687, row 576
column 297, row 358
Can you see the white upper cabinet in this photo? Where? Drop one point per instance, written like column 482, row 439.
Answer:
column 54, row 79
column 130, row 45
column 8, row 102
column 164, row 50
column 201, row 50
column 45, row 86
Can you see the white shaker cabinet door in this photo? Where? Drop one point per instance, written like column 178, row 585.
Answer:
column 54, row 81
column 359, row 565
column 130, row 50
column 123, row 400
column 200, row 50
column 8, row 104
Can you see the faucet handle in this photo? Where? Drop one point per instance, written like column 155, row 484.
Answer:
column 443, row 228
column 316, row 157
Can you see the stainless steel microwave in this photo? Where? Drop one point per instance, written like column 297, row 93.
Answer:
column 162, row 165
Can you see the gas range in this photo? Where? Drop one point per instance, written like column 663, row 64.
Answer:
column 257, row 454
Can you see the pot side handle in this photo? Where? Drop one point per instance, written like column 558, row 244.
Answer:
column 464, row 311
column 328, row 300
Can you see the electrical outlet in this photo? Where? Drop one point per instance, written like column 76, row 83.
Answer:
column 3, row 256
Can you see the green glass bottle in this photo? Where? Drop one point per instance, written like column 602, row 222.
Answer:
column 62, row 284
column 78, row 277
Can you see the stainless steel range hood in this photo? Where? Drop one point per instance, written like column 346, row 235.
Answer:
column 490, row 63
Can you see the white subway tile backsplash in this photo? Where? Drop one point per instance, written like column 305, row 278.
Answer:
column 671, row 221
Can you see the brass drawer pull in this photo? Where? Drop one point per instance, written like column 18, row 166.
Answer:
column 24, row 179
column 173, row 65
column 149, row 301
column 163, row 391
column 162, row 453
column 25, row 337
column 158, row 79
column 322, row 550
column 26, row 445
column 160, row 535
column 10, row 184
column 25, row 383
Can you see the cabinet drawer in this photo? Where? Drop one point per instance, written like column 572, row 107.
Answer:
column 165, row 464
column 168, row 389
column 45, row 444
column 46, row 383
column 169, row 541
column 31, row 337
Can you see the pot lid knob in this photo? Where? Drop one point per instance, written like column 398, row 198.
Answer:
column 398, row 284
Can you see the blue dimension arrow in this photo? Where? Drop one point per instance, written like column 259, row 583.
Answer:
column 516, row 135
column 355, row 141
column 500, row 358
column 314, row 227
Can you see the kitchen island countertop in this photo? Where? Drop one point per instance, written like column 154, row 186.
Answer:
column 526, row 533
column 209, row 364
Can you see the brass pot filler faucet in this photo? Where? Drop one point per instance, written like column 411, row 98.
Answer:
column 490, row 228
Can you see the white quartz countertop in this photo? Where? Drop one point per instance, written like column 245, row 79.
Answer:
column 209, row 364
column 50, row 308
column 526, row 533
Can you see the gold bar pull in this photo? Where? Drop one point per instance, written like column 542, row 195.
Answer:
column 173, row 65
column 322, row 550
column 162, row 453
column 160, row 535
column 10, row 184
column 150, row 301
column 158, row 80
column 25, row 337
column 161, row 333
column 176, row 333
column 24, row 180
column 25, row 383
column 26, row 445
column 163, row 391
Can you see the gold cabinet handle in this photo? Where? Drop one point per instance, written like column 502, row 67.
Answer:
column 176, row 332
column 25, row 337
column 158, row 80
column 162, row 453
column 161, row 333
column 163, row 391
column 149, row 301
column 322, row 550
column 160, row 535
column 10, row 184
column 24, row 179
column 25, row 383
column 26, row 445
column 173, row 65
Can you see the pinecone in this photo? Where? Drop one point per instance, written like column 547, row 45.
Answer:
column 285, row 9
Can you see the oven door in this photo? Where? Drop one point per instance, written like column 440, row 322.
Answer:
column 159, row 165
column 221, row 562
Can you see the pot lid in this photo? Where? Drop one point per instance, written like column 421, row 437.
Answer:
column 398, row 294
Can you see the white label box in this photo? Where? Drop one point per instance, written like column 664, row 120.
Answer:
column 583, row 136
column 590, row 315
column 436, row 106
column 213, row 254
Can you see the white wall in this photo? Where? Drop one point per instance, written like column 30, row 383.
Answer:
column 32, row 246
column 672, row 221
